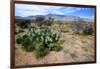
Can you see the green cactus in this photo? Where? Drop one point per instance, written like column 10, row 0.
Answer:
column 40, row 52
column 27, row 44
column 41, row 40
column 19, row 40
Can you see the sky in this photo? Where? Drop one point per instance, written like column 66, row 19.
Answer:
column 25, row 10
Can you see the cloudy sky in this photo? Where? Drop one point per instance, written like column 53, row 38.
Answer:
column 29, row 10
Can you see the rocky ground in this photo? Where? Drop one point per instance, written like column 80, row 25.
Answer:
column 76, row 48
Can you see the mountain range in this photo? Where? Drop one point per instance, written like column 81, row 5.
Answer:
column 57, row 18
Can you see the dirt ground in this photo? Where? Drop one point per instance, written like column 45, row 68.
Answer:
column 76, row 48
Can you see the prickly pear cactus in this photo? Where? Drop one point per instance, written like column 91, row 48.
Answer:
column 40, row 40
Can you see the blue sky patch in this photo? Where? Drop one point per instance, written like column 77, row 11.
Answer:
column 31, row 10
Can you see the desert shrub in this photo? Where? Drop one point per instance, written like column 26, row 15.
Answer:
column 34, row 25
column 19, row 40
column 41, row 20
column 40, row 52
column 20, row 31
column 24, row 36
column 64, row 28
column 88, row 31
column 77, row 27
column 23, row 23
column 41, row 40
column 17, row 31
column 55, row 26
column 27, row 45
column 49, row 21
column 55, row 46
column 83, row 28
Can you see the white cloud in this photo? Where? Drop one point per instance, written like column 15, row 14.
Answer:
column 58, row 12
column 27, row 10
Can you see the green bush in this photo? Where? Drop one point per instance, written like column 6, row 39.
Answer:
column 19, row 40
column 21, row 30
column 17, row 31
column 27, row 44
column 83, row 28
column 41, row 40
column 40, row 52
column 55, row 46
column 88, row 31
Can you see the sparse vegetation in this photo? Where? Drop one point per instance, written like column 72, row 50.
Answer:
column 17, row 31
column 40, row 39
column 40, row 52
column 88, row 31
column 45, row 37
column 22, row 23
column 19, row 40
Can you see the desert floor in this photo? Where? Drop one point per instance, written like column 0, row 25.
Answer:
column 76, row 48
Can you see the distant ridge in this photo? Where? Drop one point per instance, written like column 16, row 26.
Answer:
column 57, row 18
